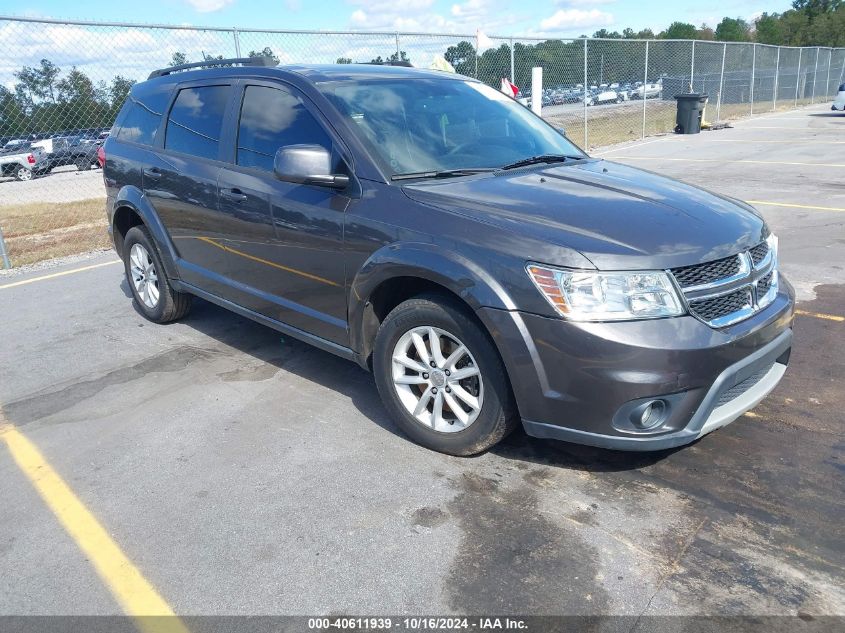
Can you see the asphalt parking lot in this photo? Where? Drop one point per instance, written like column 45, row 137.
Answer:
column 239, row 472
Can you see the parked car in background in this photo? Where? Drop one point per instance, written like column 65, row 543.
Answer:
column 651, row 91
column 69, row 150
column 602, row 96
column 839, row 101
column 22, row 161
column 14, row 144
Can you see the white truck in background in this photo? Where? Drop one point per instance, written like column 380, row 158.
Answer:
column 22, row 161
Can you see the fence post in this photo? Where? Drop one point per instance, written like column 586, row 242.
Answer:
column 237, row 42
column 513, row 69
column 3, row 252
column 692, row 69
column 798, row 76
column 815, row 74
column 827, row 83
column 721, row 83
column 645, row 81
column 842, row 72
column 586, row 137
column 775, row 89
column 753, row 73
column 397, row 45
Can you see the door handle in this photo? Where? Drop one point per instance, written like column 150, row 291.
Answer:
column 153, row 173
column 235, row 195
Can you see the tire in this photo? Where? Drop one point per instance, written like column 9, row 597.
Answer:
column 481, row 426
column 82, row 164
column 156, row 299
column 23, row 173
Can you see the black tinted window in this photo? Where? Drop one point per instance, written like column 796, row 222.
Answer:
column 196, row 119
column 271, row 119
column 140, row 117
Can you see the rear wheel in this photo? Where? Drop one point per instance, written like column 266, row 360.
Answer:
column 23, row 173
column 440, row 377
column 153, row 294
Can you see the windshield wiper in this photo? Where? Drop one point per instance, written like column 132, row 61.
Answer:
column 443, row 173
column 542, row 158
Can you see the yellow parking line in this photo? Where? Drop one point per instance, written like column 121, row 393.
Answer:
column 726, row 162
column 779, row 127
column 795, row 206
column 132, row 591
column 821, row 315
column 805, row 141
column 60, row 274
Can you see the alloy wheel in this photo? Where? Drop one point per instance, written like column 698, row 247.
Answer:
column 144, row 275
column 437, row 379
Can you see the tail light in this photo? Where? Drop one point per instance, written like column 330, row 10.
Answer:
column 101, row 156
column 30, row 159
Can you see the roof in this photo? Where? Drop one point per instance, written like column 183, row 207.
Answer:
column 315, row 73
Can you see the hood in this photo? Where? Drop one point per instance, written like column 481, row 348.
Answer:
column 617, row 216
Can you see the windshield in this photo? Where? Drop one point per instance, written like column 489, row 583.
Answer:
column 425, row 125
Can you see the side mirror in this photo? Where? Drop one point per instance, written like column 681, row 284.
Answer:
column 307, row 165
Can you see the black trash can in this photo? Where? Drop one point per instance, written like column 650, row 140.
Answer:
column 690, row 109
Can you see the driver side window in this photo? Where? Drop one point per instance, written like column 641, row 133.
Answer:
column 272, row 118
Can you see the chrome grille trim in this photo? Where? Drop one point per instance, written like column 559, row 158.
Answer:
column 717, row 303
column 743, row 268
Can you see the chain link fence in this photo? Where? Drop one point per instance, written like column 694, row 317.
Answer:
column 62, row 84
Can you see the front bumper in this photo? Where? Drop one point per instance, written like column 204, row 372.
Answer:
column 579, row 382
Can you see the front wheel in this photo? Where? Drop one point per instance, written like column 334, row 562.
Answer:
column 23, row 173
column 441, row 378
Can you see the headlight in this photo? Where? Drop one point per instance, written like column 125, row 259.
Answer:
column 772, row 241
column 612, row 296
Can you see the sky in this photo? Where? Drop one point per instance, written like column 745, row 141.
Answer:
column 104, row 52
column 560, row 18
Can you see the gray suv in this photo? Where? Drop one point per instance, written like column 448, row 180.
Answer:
column 486, row 270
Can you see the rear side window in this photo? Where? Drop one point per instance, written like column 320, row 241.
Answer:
column 272, row 118
column 140, row 118
column 196, row 120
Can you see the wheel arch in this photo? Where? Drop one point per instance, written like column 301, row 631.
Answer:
column 399, row 272
column 131, row 208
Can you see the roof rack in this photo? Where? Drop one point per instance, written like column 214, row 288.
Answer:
column 210, row 63
column 391, row 62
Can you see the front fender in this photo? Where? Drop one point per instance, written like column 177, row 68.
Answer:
column 449, row 269
column 133, row 198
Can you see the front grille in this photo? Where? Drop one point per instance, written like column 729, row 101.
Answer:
column 759, row 252
column 763, row 284
column 740, row 388
column 714, row 308
column 700, row 274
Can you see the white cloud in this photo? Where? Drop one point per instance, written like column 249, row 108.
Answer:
column 420, row 15
column 208, row 6
column 583, row 3
column 470, row 9
column 564, row 19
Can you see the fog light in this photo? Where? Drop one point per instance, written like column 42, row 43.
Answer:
column 649, row 415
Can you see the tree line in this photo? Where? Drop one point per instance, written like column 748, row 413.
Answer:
column 44, row 100
column 807, row 23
